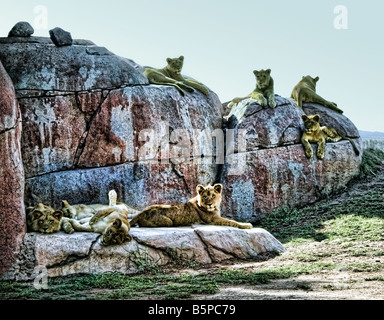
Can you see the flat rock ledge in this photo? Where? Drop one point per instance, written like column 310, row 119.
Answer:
column 61, row 254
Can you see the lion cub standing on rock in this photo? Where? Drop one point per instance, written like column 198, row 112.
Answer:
column 204, row 208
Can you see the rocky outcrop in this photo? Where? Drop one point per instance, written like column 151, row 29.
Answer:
column 82, row 253
column 12, row 213
column 92, row 122
column 271, row 171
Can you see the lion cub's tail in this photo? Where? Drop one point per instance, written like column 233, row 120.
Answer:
column 112, row 195
column 134, row 220
column 357, row 152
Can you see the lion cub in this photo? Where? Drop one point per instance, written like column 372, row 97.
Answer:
column 264, row 92
column 204, row 208
column 305, row 91
column 171, row 76
column 112, row 223
column 314, row 133
column 44, row 219
column 110, row 220
column 83, row 211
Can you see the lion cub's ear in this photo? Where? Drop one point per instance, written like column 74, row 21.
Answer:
column 65, row 204
column 181, row 58
column 316, row 117
column 304, row 117
column 58, row 214
column 29, row 209
column 316, row 79
column 268, row 71
column 255, row 72
column 218, row 187
column 200, row 188
column 36, row 214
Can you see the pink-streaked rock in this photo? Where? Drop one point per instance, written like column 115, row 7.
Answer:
column 12, row 212
column 91, row 117
column 273, row 172
column 134, row 120
column 138, row 184
column 52, row 131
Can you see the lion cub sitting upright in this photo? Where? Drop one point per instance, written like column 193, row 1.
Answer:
column 264, row 92
column 314, row 133
column 171, row 76
column 204, row 208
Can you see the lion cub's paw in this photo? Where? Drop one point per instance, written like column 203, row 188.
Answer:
column 263, row 102
column 245, row 226
column 309, row 153
column 67, row 226
column 320, row 154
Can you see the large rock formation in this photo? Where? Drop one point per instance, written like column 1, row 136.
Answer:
column 92, row 122
column 12, row 213
column 271, row 170
column 82, row 253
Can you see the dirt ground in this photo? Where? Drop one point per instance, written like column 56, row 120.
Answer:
column 340, row 283
column 334, row 284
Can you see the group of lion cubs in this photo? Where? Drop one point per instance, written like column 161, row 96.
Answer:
column 304, row 91
column 112, row 220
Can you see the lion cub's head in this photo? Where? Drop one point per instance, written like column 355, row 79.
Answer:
column 311, row 123
column 310, row 82
column 209, row 197
column 176, row 64
column 116, row 233
column 43, row 218
column 263, row 78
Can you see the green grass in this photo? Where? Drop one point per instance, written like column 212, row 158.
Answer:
column 371, row 160
column 358, row 219
column 119, row 286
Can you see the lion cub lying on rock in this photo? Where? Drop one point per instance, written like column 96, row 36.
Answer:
column 171, row 75
column 44, row 219
column 109, row 220
column 204, row 208
column 305, row 91
column 112, row 223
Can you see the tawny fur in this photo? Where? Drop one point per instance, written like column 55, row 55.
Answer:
column 202, row 209
column 45, row 219
column 110, row 220
column 314, row 133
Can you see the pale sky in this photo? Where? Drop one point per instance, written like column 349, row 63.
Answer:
column 223, row 41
